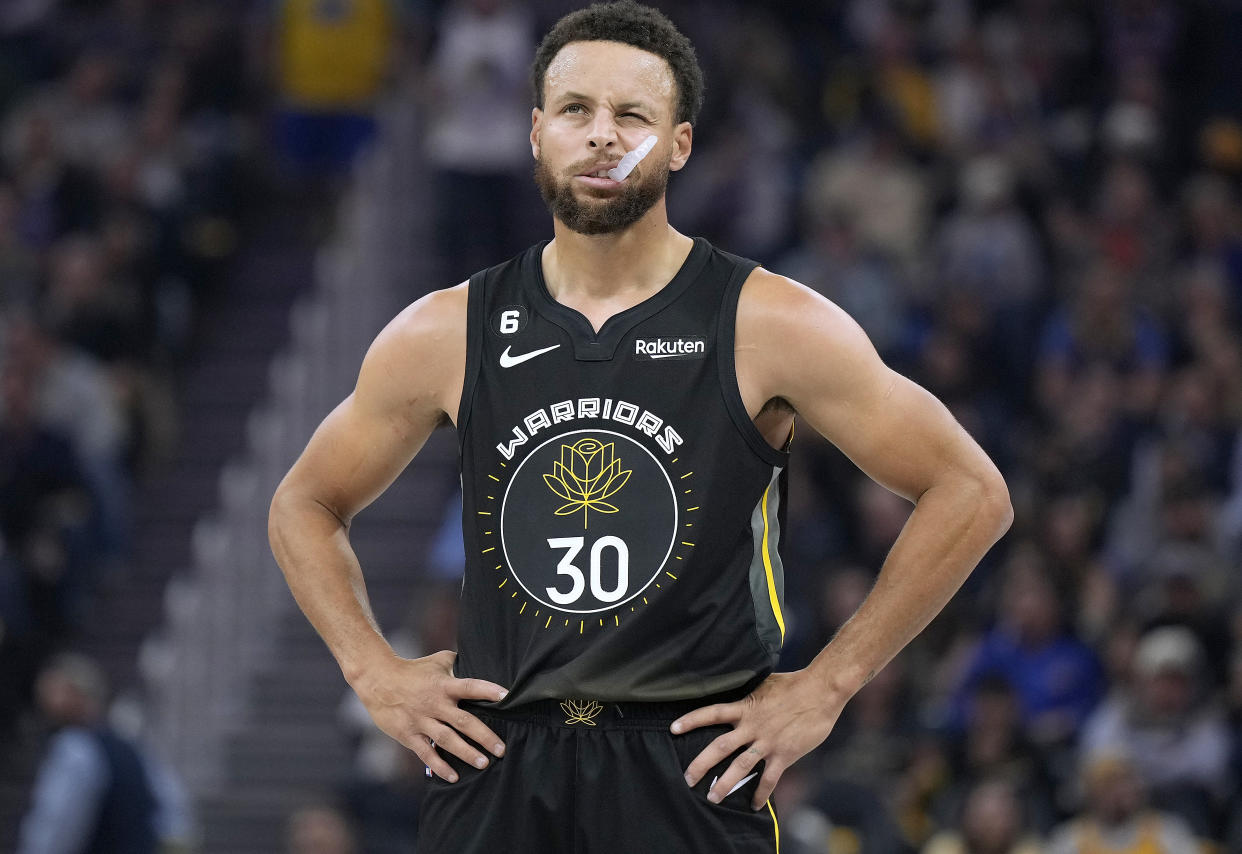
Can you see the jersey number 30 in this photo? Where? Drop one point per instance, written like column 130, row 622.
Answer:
column 572, row 546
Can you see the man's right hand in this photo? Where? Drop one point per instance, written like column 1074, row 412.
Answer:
column 415, row 702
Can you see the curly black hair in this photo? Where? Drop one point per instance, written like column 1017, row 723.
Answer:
column 629, row 23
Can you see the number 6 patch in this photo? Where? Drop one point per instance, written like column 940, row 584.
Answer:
column 509, row 320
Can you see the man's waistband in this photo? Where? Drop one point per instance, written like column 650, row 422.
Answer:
column 587, row 713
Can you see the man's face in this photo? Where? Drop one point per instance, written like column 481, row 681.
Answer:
column 1114, row 794
column 60, row 700
column 1168, row 694
column 601, row 100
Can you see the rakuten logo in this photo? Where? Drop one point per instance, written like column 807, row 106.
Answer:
column 669, row 348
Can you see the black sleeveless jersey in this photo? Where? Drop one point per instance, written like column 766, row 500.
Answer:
column 622, row 514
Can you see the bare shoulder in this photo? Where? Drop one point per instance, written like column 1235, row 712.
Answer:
column 434, row 319
column 790, row 338
column 419, row 359
column 772, row 307
column 795, row 345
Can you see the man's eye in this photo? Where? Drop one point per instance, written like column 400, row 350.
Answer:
column 573, row 108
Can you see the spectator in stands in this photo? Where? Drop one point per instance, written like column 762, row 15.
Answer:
column 988, row 248
column 872, row 182
column 332, row 60
column 48, row 516
column 89, row 309
column 1171, row 504
column 73, row 389
column 74, row 395
column 900, row 83
column 991, row 823
column 1132, row 229
column 82, row 105
column 1206, row 318
column 1167, row 725
column 319, row 830
column 1213, row 226
column 1069, row 533
column 1103, row 327
column 950, row 364
column 1056, row 678
column 97, row 791
column 1117, row 819
column 477, row 139
column 1197, row 417
column 57, row 196
column 994, row 748
column 1190, row 588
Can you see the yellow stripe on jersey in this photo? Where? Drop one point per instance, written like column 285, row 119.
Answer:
column 776, row 828
column 767, row 565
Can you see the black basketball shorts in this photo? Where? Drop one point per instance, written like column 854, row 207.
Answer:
column 588, row 777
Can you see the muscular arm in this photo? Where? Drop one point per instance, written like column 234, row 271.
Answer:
column 411, row 381
column 795, row 345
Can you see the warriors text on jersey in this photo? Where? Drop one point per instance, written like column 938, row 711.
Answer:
column 622, row 513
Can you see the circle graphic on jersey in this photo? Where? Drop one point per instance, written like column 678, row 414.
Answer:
column 508, row 320
column 588, row 521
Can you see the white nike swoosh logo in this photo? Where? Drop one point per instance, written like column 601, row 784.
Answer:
column 507, row 361
column 739, row 785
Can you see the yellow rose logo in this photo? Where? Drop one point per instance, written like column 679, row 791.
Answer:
column 587, row 474
column 581, row 711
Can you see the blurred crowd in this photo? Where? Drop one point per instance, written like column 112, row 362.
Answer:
column 139, row 139
column 1032, row 208
column 121, row 138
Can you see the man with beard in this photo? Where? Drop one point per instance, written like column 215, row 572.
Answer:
column 623, row 397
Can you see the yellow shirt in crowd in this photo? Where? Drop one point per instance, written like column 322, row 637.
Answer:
column 333, row 54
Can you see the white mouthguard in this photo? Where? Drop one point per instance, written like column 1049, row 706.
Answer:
column 622, row 170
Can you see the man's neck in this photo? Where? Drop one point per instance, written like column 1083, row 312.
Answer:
column 625, row 266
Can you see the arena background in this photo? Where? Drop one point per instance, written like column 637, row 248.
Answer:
column 209, row 207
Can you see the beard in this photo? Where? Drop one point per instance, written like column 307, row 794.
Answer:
column 598, row 215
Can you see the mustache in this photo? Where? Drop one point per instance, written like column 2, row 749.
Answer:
column 590, row 166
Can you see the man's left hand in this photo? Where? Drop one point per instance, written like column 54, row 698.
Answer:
column 786, row 717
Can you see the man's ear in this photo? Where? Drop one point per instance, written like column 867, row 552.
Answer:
column 683, row 139
column 536, row 125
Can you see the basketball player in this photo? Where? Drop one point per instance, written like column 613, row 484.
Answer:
column 623, row 396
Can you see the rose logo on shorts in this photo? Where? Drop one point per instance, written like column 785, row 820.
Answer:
column 588, row 521
column 580, row 711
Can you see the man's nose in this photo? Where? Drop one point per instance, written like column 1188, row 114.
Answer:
column 603, row 131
